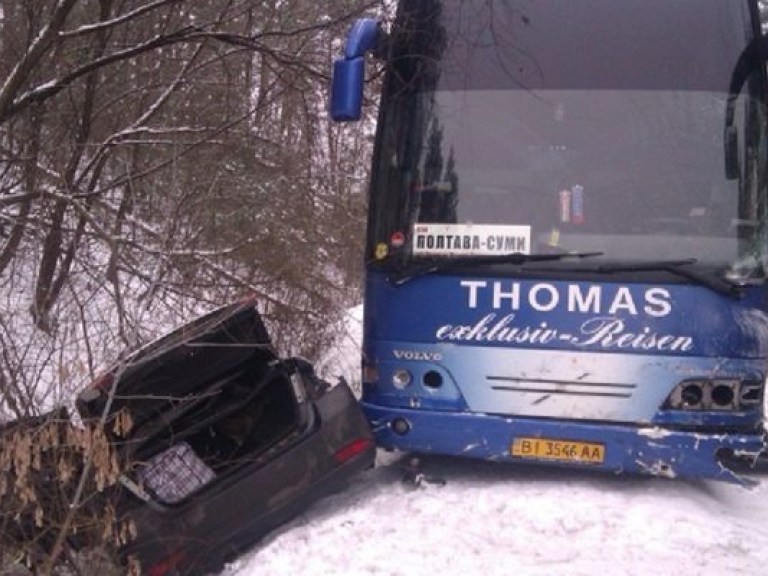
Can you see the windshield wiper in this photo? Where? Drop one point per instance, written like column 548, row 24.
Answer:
column 716, row 283
column 516, row 259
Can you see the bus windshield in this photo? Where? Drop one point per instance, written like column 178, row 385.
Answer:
column 632, row 129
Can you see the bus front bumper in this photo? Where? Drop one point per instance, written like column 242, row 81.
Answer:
column 618, row 448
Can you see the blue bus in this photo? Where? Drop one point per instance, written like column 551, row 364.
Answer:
column 567, row 235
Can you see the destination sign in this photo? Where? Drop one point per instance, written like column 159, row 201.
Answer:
column 470, row 239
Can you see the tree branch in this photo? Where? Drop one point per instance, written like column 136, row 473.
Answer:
column 32, row 56
column 11, row 105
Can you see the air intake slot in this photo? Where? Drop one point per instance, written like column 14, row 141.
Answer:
column 561, row 387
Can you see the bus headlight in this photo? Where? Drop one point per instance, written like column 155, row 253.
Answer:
column 401, row 378
column 715, row 395
column 692, row 395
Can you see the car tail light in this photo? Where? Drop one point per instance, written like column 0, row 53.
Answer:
column 103, row 383
column 167, row 565
column 354, row 448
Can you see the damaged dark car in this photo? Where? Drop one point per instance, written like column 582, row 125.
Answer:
column 225, row 440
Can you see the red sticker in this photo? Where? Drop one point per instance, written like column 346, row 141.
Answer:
column 397, row 240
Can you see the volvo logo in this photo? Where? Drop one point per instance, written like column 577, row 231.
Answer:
column 417, row 355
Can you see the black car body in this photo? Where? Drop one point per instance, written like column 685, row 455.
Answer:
column 226, row 440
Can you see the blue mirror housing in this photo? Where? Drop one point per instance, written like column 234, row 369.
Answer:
column 347, row 89
column 349, row 72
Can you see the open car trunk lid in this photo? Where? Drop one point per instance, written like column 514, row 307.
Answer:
column 152, row 380
column 207, row 398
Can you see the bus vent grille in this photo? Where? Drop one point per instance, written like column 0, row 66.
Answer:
column 566, row 388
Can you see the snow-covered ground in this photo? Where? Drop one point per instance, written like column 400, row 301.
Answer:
column 500, row 519
column 494, row 519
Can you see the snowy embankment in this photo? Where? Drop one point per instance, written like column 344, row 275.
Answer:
column 498, row 519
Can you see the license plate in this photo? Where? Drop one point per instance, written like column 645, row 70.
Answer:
column 558, row 450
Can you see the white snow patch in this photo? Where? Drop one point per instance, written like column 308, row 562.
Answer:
column 498, row 519
column 342, row 359
column 655, row 433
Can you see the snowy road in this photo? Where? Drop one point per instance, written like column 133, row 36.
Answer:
column 495, row 519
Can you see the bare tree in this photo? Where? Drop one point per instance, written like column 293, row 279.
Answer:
column 158, row 157
column 168, row 154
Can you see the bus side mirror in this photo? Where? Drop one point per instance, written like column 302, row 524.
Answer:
column 347, row 89
column 349, row 72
